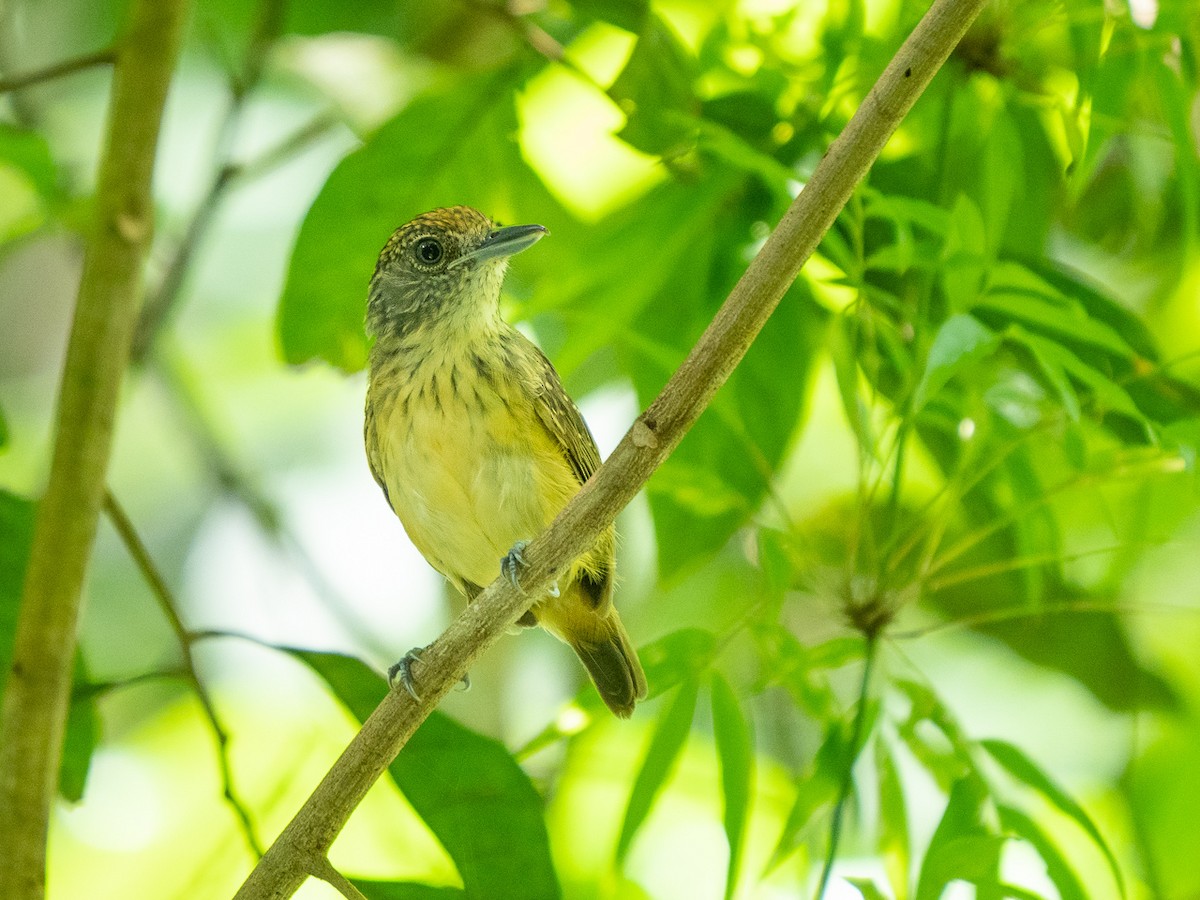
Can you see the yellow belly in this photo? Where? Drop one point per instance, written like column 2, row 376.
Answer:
column 468, row 480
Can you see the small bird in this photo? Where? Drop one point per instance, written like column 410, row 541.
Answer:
column 473, row 440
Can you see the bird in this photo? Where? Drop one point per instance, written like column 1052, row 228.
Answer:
column 475, row 442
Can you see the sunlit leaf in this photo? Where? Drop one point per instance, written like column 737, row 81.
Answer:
column 894, row 844
column 466, row 787
column 962, row 847
column 656, row 81
column 406, row 890
column 867, row 888
column 670, row 734
column 1021, row 767
column 1057, row 868
column 735, row 755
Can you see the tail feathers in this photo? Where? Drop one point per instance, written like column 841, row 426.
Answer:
column 613, row 664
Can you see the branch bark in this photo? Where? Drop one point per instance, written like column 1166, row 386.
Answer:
column 39, row 686
column 647, row 444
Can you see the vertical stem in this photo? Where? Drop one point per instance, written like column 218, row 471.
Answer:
column 39, row 685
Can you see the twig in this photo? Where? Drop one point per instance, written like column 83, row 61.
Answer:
column 322, row 868
column 170, row 608
column 653, row 436
column 58, row 70
column 856, row 740
column 39, row 686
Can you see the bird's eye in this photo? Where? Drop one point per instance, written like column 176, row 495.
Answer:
column 428, row 250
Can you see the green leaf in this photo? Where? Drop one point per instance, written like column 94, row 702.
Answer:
column 1022, row 768
column 627, row 14
column 450, row 147
column 867, row 888
column 656, row 82
column 670, row 734
column 894, row 844
column 682, row 655
column 962, row 847
column 735, row 754
column 816, row 789
column 406, row 890
column 3, row 430
column 468, row 789
column 960, row 342
column 1057, row 868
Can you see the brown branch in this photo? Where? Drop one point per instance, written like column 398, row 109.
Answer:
column 57, row 70
column 39, row 686
column 154, row 579
column 653, row 436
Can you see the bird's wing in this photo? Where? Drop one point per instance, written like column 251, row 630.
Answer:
column 562, row 420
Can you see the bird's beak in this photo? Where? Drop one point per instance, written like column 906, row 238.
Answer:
column 504, row 242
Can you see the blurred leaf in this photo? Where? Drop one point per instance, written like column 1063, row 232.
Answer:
column 450, row 147
column 627, row 14
column 682, row 655
column 867, row 888
column 816, row 789
column 657, row 81
column 670, row 734
column 406, row 890
column 28, row 152
column 735, row 755
column 1022, row 768
column 3, row 431
column 843, row 345
column 894, row 844
column 960, row 342
column 1057, row 868
column 962, row 847
column 467, row 788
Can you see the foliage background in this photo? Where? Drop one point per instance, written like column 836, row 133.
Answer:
column 960, row 459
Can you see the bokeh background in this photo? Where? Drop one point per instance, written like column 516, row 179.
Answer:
column 963, row 449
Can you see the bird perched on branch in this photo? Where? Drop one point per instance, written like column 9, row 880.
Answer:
column 473, row 440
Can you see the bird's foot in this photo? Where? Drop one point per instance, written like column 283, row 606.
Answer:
column 400, row 673
column 513, row 562
column 553, row 589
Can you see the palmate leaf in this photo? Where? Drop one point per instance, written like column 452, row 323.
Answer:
column 1058, row 869
column 449, row 147
column 667, row 742
column 467, row 788
column 962, row 847
column 815, row 790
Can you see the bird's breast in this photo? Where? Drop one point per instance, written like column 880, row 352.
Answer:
column 467, row 467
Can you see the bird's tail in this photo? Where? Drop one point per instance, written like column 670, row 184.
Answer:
column 612, row 663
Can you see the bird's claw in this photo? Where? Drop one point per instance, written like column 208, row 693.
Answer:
column 400, row 673
column 553, row 589
column 513, row 562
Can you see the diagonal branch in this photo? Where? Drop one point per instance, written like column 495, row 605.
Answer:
column 651, row 439
column 39, row 687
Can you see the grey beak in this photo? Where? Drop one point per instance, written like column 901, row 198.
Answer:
column 504, row 242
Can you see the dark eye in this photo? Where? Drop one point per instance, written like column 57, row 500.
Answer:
column 428, row 250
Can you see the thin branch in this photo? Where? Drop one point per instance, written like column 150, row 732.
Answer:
column 653, row 436
column 104, row 57
column 170, row 609
column 856, row 741
column 322, row 868
column 39, row 686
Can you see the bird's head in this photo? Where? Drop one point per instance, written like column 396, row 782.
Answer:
column 444, row 266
